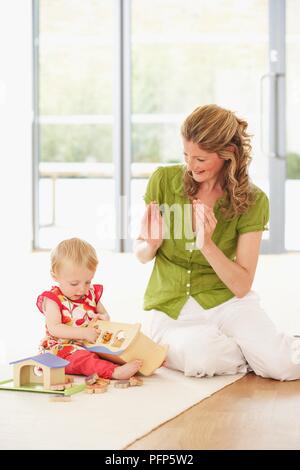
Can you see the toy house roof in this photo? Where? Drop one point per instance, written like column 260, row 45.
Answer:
column 46, row 359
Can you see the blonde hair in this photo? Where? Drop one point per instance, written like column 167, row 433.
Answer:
column 218, row 130
column 78, row 251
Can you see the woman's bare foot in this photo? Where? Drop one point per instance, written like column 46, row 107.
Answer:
column 127, row 370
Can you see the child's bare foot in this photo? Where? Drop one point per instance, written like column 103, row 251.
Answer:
column 127, row 370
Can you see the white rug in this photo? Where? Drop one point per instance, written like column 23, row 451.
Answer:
column 119, row 417
column 111, row 420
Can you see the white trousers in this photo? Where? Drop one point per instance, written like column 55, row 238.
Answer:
column 236, row 336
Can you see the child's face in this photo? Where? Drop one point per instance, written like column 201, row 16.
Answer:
column 74, row 281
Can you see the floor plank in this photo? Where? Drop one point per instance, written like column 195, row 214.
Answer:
column 252, row 413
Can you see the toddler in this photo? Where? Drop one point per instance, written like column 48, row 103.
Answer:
column 69, row 308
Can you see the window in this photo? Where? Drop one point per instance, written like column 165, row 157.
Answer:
column 75, row 62
column 115, row 80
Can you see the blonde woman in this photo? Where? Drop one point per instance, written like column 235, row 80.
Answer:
column 203, row 225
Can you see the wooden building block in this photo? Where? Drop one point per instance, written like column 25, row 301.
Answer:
column 58, row 387
column 122, row 384
column 89, row 387
column 70, row 385
column 95, row 387
column 135, row 381
column 60, row 398
column 103, row 381
column 91, row 379
column 98, row 386
column 100, row 390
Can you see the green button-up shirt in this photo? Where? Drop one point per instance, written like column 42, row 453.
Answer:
column 180, row 269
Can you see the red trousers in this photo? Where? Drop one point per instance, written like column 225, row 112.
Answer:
column 88, row 363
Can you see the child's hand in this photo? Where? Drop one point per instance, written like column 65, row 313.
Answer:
column 90, row 334
column 102, row 316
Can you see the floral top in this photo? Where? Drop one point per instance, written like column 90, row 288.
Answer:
column 77, row 313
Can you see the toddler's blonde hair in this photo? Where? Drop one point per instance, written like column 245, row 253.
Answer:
column 78, row 251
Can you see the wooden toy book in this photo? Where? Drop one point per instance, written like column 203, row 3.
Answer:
column 124, row 342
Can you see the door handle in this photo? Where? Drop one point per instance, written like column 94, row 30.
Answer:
column 272, row 151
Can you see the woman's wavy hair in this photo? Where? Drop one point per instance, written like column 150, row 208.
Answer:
column 218, row 130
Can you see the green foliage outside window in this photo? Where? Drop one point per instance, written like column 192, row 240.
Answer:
column 293, row 166
column 76, row 143
column 169, row 77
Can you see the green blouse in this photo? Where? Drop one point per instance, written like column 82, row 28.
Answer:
column 180, row 269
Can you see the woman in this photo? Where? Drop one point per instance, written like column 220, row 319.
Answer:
column 199, row 299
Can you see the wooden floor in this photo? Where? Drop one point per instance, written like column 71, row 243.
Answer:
column 252, row 413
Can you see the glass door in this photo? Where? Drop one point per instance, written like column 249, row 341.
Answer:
column 73, row 130
column 292, row 185
column 189, row 53
column 113, row 83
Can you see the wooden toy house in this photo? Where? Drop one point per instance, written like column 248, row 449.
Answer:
column 44, row 373
column 46, row 369
column 123, row 342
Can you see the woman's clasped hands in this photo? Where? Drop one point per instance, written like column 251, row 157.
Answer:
column 205, row 223
column 152, row 226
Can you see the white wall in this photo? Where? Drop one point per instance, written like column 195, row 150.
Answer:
column 15, row 126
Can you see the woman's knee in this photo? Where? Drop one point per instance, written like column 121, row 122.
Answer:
column 211, row 354
column 278, row 365
column 277, row 373
column 284, row 371
column 216, row 358
column 205, row 352
column 204, row 366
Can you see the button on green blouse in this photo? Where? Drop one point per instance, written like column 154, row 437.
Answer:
column 180, row 270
